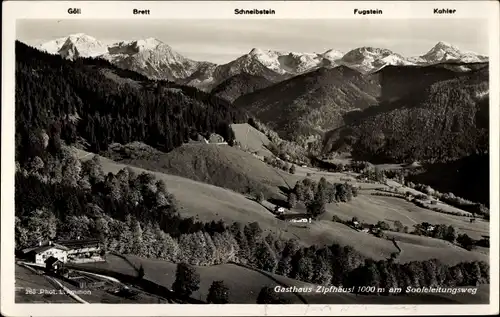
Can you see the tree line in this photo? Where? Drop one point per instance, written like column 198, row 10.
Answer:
column 316, row 195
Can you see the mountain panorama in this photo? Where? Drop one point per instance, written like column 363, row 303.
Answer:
column 157, row 60
column 360, row 169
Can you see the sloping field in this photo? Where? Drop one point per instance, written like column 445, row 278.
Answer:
column 251, row 139
column 208, row 202
column 314, row 174
column 370, row 209
column 418, row 240
column 219, row 165
column 27, row 280
column 244, row 284
column 439, row 204
column 378, row 248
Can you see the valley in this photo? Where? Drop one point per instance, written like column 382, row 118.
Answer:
column 207, row 202
column 235, row 175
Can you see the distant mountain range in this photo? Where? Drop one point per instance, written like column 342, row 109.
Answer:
column 435, row 113
column 157, row 60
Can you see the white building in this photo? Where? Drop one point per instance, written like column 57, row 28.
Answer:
column 42, row 253
column 301, row 220
column 280, row 210
column 79, row 251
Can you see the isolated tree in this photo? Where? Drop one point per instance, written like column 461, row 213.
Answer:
column 218, row 293
column 379, row 174
column 292, row 169
column 316, row 208
column 451, row 234
column 267, row 295
column 292, row 200
column 465, row 241
column 187, row 280
column 140, row 272
column 299, row 190
column 332, row 193
column 398, row 226
column 322, row 191
column 355, row 191
column 259, row 197
column 343, row 192
column 383, row 225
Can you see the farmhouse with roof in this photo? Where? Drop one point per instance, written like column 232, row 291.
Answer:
column 41, row 253
column 83, row 250
column 300, row 218
column 78, row 251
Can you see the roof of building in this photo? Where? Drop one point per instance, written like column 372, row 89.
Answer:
column 43, row 248
column 295, row 216
column 78, row 243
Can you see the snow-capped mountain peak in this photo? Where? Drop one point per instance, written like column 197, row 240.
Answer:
column 368, row 59
column 79, row 45
column 154, row 58
column 257, row 51
column 442, row 51
column 333, row 55
column 82, row 40
column 149, row 43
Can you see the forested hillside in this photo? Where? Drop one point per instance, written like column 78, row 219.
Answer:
column 93, row 102
column 312, row 103
column 239, row 85
column 445, row 121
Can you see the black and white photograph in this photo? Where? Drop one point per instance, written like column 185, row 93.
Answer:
column 252, row 161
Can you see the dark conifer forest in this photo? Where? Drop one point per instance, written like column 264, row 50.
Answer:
column 92, row 100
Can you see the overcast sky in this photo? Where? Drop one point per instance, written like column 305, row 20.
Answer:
column 221, row 41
